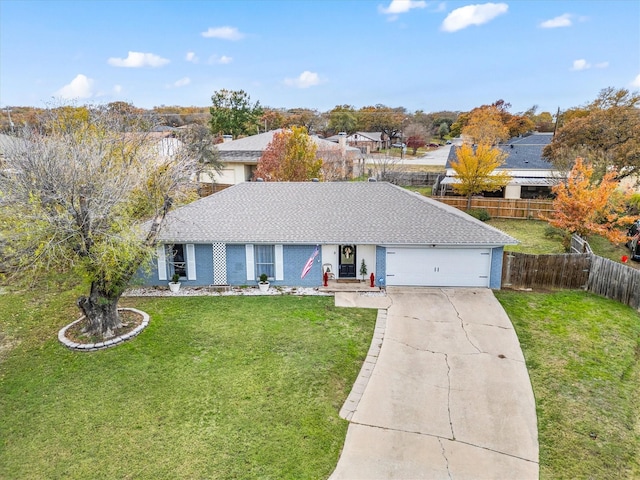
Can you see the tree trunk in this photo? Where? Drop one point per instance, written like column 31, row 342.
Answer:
column 468, row 203
column 101, row 310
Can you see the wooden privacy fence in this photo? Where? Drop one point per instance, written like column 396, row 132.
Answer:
column 614, row 280
column 521, row 270
column 502, row 207
column 574, row 271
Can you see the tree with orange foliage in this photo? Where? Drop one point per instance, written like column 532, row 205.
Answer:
column 289, row 157
column 485, row 126
column 474, row 169
column 586, row 208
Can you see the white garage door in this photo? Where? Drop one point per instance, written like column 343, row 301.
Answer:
column 439, row 267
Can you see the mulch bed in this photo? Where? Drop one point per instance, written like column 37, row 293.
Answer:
column 129, row 319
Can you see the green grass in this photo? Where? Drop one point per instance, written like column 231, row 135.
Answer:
column 583, row 355
column 215, row 387
column 530, row 234
column 604, row 248
column 426, row 191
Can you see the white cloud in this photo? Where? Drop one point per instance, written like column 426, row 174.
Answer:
column 183, row 82
column 224, row 33
column 222, row 60
column 305, row 80
column 636, row 82
column 464, row 17
column 80, row 87
column 191, row 57
column 117, row 89
column 402, row 6
column 580, row 64
column 563, row 20
column 138, row 60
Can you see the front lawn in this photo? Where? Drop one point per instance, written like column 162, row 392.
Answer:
column 582, row 353
column 215, row 387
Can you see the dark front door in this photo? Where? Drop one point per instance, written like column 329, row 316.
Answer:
column 347, row 267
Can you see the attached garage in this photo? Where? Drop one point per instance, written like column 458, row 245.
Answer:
column 438, row 267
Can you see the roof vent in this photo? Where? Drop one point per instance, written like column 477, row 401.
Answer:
column 259, row 179
column 512, row 145
column 315, row 180
column 371, row 179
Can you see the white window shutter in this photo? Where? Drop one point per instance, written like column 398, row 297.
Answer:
column 162, row 263
column 251, row 274
column 191, row 261
column 279, row 262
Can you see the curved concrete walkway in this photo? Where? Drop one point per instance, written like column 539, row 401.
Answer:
column 444, row 392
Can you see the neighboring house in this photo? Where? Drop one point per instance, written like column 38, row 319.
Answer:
column 532, row 175
column 367, row 142
column 240, row 157
column 232, row 237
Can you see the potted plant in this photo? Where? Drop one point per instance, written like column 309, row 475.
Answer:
column 363, row 269
column 263, row 284
column 174, row 284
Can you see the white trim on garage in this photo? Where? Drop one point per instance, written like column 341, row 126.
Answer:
column 438, row 267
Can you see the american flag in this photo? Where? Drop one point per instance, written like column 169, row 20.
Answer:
column 309, row 264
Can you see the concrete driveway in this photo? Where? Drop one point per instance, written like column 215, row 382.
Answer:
column 443, row 394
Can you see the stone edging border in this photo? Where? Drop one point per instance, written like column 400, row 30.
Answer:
column 112, row 342
column 353, row 399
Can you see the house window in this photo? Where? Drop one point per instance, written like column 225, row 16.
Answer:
column 178, row 263
column 265, row 260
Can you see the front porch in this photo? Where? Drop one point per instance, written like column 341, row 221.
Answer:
column 348, row 286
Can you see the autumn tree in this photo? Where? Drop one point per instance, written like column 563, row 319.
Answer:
column 271, row 119
column 584, row 207
column 491, row 123
column 606, row 132
column 310, row 119
column 475, row 170
column 233, row 113
column 289, row 157
column 380, row 118
column 485, row 125
column 76, row 198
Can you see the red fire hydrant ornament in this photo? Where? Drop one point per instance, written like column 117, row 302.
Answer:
column 372, row 279
column 325, row 277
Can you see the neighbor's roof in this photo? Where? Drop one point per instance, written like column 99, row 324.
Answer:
column 376, row 213
column 250, row 149
column 523, row 153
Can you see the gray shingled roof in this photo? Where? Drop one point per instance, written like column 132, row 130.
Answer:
column 250, row 149
column 523, row 153
column 377, row 213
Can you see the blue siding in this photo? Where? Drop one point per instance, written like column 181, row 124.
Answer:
column 381, row 265
column 295, row 258
column 204, row 266
column 147, row 275
column 495, row 281
column 237, row 265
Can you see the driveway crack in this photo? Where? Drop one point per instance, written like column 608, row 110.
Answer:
column 446, row 460
column 466, row 334
column 446, row 361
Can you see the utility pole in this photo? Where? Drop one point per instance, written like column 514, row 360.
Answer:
column 8, row 110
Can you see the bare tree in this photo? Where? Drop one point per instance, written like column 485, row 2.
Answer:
column 89, row 200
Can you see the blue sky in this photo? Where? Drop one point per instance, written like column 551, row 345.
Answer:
column 420, row 55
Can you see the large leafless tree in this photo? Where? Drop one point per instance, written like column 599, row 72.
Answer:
column 86, row 195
